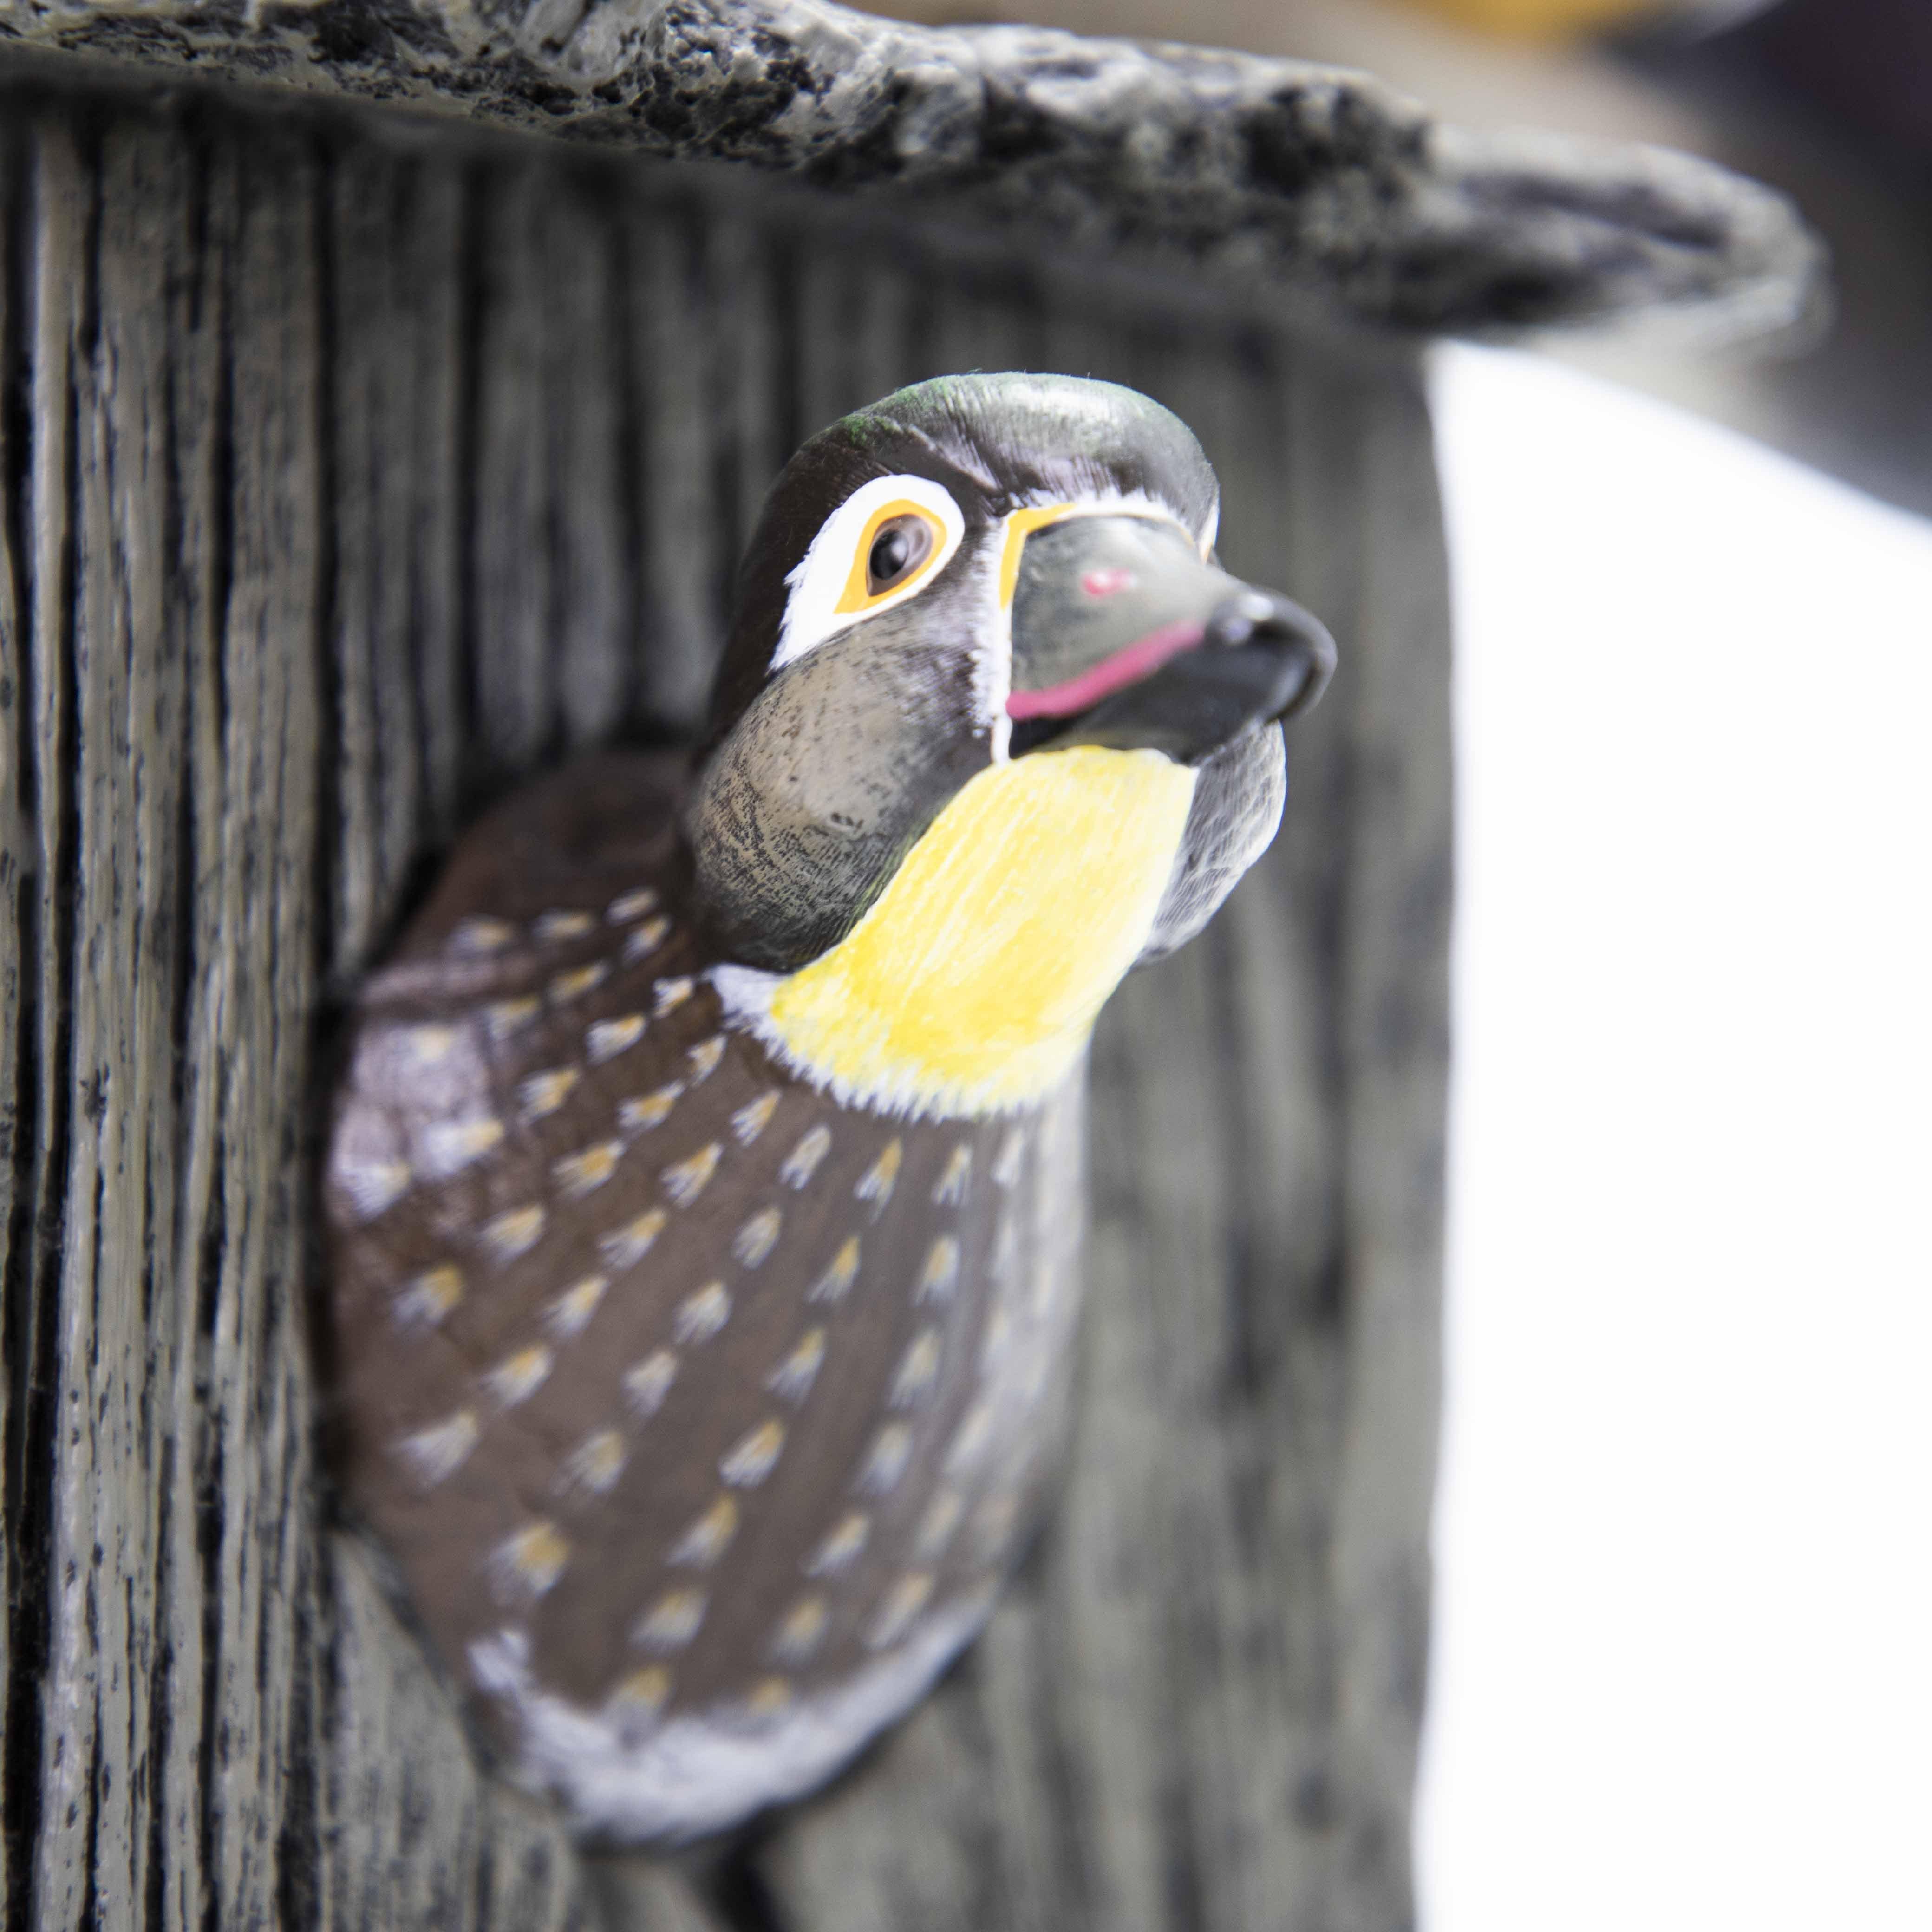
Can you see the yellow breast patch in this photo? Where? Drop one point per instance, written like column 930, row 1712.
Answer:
column 972, row 982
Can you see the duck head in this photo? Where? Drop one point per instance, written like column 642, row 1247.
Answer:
column 993, row 726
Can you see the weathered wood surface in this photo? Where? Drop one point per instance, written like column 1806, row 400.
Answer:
column 341, row 480
column 1311, row 183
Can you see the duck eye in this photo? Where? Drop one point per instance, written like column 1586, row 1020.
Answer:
column 899, row 546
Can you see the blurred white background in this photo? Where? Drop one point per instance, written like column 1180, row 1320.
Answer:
column 1683, row 1658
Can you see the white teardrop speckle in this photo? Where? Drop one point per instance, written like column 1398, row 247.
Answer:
column 671, row 1622
column 442, row 1449
column 518, row 1377
column 749, row 1462
column 647, row 1384
column 835, row 1283
column 554, row 927
column 525, row 1566
column 802, row 1163
column 957, row 1178
column 624, row 1247
column 686, row 1180
column 756, row 1238
column 792, row 1379
column 628, row 906
column 841, row 1546
column 606, row 1038
column 701, row 1315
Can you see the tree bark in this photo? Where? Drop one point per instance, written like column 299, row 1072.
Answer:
column 345, row 475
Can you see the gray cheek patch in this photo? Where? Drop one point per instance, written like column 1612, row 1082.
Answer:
column 808, row 806
column 1238, row 798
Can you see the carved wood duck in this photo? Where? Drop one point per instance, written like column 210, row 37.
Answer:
column 705, row 1190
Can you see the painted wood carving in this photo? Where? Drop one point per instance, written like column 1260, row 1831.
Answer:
column 704, row 1193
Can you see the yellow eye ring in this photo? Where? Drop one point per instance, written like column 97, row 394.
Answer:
column 859, row 594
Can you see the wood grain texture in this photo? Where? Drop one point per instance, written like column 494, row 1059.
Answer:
column 343, row 479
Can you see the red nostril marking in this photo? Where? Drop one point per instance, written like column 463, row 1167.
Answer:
column 1107, row 583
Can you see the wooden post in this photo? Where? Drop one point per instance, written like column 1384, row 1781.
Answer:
column 344, row 477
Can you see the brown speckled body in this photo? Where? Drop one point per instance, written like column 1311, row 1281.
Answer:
column 681, row 1394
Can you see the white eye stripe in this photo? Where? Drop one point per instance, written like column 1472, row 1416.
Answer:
column 815, row 587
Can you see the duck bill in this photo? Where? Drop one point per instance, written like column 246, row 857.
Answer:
column 1123, row 636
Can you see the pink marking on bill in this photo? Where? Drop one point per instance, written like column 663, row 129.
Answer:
column 1127, row 666
column 1108, row 583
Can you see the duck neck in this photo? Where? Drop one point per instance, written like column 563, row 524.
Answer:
column 970, row 986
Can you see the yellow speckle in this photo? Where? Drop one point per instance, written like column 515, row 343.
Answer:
column 802, row 1163
column 583, row 1172
column 704, row 1057
column 645, row 1691
column 570, row 1313
column 671, row 1622
column 668, row 995
column 595, row 1463
column 505, row 1017
column 847, row 1539
column 937, row 1525
column 628, row 906
column 753, row 1117
column 608, row 1038
column 450, row 1146
column 428, row 1045
column 649, row 1110
column 878, row 1182
column 554, row 926
column 442, row 1449
column 479, row 938
column 688, row 1179
column 543, row 1093
column 526, row 1565
column 646, row 1385
column 953, row 1184
column 802, row 1632
column 940, row 1275
column 792, row 1379
column 425, row 1301
column 770, row 1697
column 646, row 940
column 625, row 1247
column 518, row 1377
column 917, row 1371
column 756, row 1239
column 514, row 1234
column 970, row 1443
column 835, row 1283
column 886, row 1460
column 749, row 1462
column 972, row 981
column 708, row 1538
column 1006, row 1168
column 700, row 1316
column 372, row 1186
column 578, row 981
column 903, row 1602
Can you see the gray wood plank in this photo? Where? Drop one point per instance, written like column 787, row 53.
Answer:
column 67, row 1723
column 15, row 938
